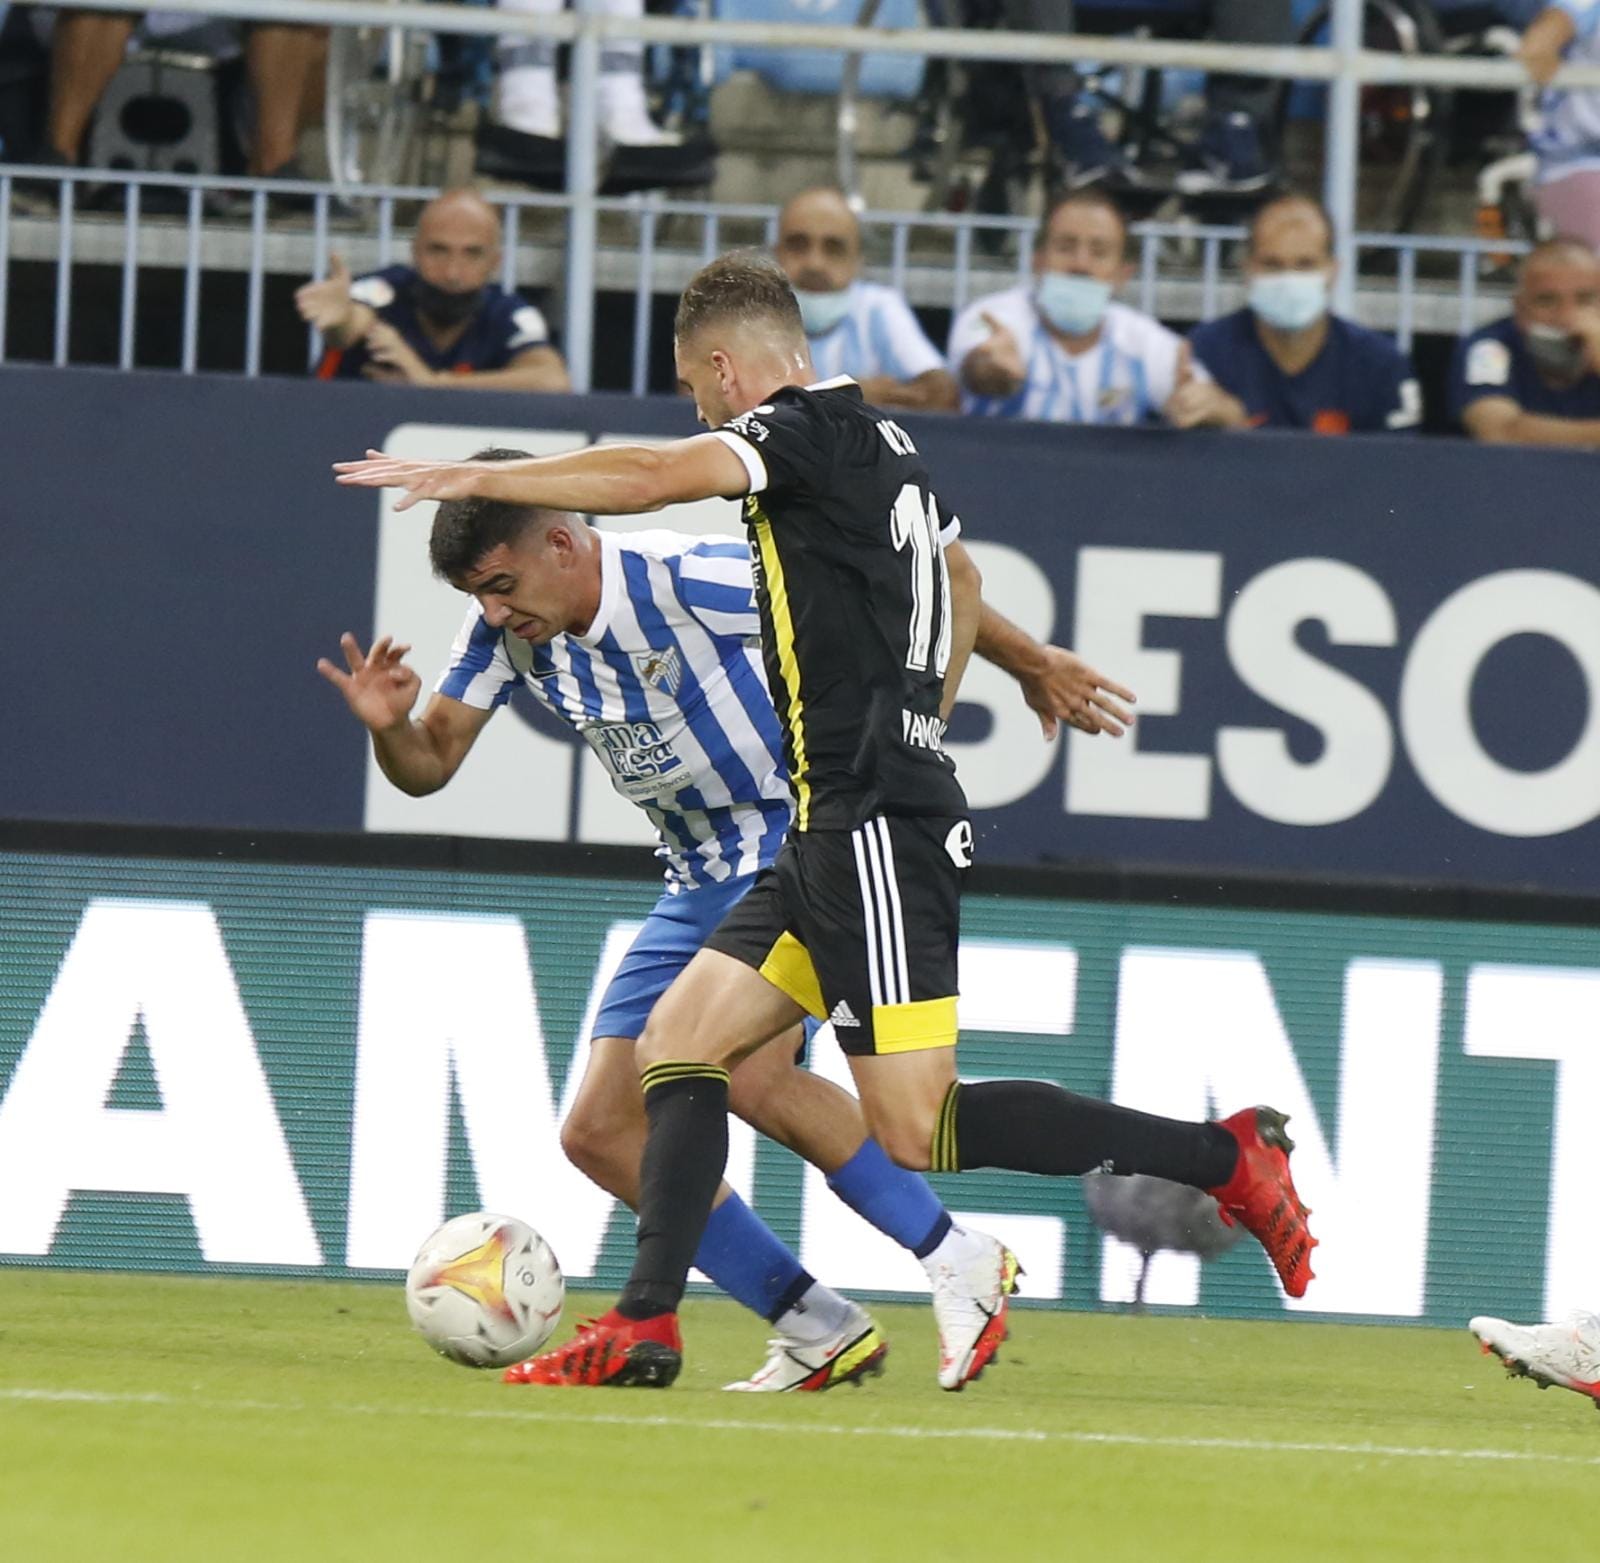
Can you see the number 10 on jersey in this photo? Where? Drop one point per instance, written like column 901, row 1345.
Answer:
column 914, row 524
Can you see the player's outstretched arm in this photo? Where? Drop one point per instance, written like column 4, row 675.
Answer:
column 966, row 603
column 1057, row 685
column 604, row 480
column 380, row 689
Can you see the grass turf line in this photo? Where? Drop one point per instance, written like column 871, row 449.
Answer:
column 266, row 1420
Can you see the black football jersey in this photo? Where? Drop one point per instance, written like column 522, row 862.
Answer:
column 847, row 537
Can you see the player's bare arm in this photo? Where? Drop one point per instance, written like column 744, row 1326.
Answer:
column 607, row 480
column 420, row 756
column 966, row 604
column 1058, row 685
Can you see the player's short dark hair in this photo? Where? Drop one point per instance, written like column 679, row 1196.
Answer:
column 741, row 286
column 464, row 530
column 1288, row 198
column 1091, row 196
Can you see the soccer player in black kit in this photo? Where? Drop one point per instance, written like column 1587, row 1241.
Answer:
column 869, row 610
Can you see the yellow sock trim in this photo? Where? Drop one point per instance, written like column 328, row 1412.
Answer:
column 943, row 1156
column 669, row 1070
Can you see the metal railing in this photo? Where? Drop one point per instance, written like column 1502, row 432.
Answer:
column 649, row 247
column 1345, row 66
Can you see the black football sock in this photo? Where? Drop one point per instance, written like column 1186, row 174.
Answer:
column 687, row 1105
column 1029, row 1126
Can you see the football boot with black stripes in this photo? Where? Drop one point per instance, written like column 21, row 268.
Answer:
column 627, row 1353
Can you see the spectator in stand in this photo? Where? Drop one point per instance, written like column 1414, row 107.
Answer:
column 1233, row 154
column 1060, row 349
column 1534, row 377
column 856, row 328
column 1286, row 361
column 1567, row 141
column 439, row 321
column 88, row 47
column 522, row 139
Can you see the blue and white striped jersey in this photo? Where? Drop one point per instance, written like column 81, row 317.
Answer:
column 1567, row 139
column 879, row 335
column 666, row 686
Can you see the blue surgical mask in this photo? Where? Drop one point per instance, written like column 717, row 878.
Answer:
column 1074, row 305
column 821, row 312
column 1290, row 300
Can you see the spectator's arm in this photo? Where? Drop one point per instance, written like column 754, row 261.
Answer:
column 328, row 304
column 1498, row 420
column 1197, row 401
column 533, row 369
column 994, row 367
column 1545, row 41
column 934, row 390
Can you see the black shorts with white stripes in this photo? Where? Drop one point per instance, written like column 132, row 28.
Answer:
column 860, row 927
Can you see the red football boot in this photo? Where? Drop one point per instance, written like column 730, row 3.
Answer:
column 629, row 1353
column 1261, row 1196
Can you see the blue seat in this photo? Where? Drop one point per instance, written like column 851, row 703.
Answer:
column 897, row 76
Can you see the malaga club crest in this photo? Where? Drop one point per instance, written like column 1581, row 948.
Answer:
column 661, row 670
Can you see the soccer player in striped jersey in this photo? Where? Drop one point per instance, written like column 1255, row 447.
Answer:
column 867, row 621
column 647, row 645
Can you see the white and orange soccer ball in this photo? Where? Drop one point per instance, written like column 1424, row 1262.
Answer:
column 485, row 1290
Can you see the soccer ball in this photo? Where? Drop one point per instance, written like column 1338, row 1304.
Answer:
column 485, row 1290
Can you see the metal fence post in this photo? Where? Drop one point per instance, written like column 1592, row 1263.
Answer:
column 1344, row 147
column 583, row 183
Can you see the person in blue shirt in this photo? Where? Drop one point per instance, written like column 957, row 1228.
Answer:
column 1534, row 377
column 439, row 321
column 1286, row 361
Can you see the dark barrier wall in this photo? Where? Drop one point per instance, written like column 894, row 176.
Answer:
column 1355, row 658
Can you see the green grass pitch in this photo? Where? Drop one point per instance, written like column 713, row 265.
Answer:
column 175, row 1419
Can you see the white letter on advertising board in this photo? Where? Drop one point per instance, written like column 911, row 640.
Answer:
column 216, row 1137
column 1547, row 1012
column 1199, row 1035
column 1118, row 589
column 1357, row 745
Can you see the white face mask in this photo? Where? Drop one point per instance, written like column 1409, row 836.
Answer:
column 1290, row 300
column 1073, row 304
column 821, row 312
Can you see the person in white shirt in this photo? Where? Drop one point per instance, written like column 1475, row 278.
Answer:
column 854, row 327
column 1060, row 350
column 1567, row 141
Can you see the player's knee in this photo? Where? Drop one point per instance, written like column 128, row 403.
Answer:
column 590, row 1141
column 907, row 1143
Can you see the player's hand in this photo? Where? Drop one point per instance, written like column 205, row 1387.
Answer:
column 326, row 304
column 392, row 355
column 1066, row 689
column 379, row 687
column 420, row 479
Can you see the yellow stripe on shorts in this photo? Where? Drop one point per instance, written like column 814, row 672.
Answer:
column 913, row 1028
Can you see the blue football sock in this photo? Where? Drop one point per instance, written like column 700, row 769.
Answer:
column 898, row 1203
column 744, row 1256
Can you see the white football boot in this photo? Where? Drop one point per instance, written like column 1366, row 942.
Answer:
column 847, row 1356
column 969, row 1303
column 1567, row 1354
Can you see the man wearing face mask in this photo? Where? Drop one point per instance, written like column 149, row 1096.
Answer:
column 1285, row 361
column 853, row 327
column 440, row 320
column 1059, row 349
column 1534, row 377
